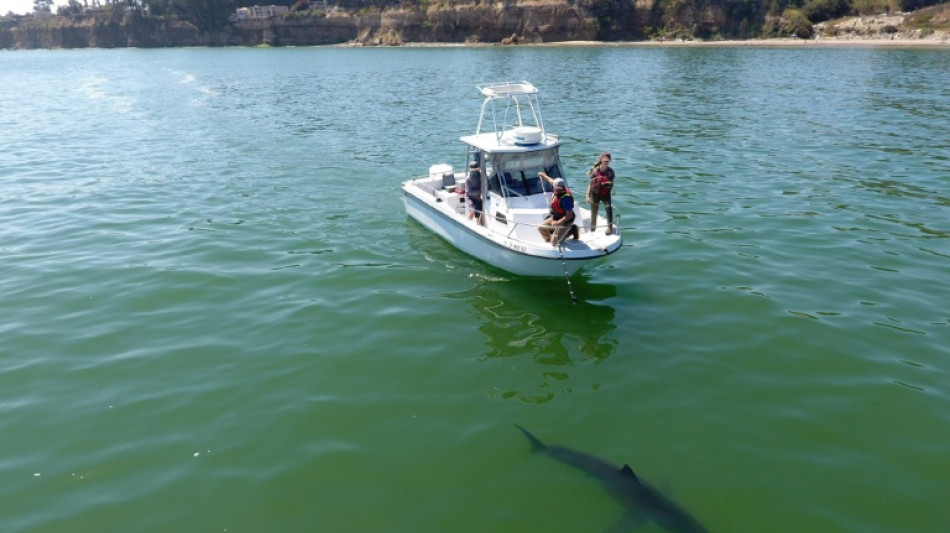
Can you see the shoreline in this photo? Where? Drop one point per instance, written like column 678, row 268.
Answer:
column 938, row 41
column 751, row 43
column 776, row 42
column 784, row 42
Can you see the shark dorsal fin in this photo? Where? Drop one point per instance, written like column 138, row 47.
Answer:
column 627, row 471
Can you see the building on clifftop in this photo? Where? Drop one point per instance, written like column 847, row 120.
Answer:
column 259, row 12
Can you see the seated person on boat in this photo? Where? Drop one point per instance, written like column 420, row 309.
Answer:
column 561, row 218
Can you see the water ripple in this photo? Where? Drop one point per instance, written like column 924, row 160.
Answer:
column 213, row 301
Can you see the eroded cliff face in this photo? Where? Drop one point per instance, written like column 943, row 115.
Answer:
column 450, row 21
column 67, row 32
column 500, row 22
column 75, row 32
column 298, row 31
column 479, row 23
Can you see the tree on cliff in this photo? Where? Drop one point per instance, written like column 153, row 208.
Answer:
column 207, row 15
column 43, row 6
column 72, row 7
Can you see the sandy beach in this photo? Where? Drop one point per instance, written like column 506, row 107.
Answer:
column 822, row 42
column 783, row 42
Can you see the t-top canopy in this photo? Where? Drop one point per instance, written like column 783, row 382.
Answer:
column 511, row 110
column 505, row 89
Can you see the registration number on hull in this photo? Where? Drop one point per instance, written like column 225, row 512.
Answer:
column 516, row 247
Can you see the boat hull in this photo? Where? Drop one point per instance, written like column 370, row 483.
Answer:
column 516, row 257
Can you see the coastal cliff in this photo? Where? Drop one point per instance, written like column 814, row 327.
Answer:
column 463, row 21
column 512, row 22
column 94, row 32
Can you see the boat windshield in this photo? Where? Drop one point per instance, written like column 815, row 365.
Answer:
column 517, row 174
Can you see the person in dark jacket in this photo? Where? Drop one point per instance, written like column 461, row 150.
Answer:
column 473, row 194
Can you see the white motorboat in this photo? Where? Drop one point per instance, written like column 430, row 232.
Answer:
column 511, row 150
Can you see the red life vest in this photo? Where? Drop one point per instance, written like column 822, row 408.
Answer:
column 603, row 181
column 557, row 211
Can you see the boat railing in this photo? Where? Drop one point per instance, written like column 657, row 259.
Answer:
column 514, row 225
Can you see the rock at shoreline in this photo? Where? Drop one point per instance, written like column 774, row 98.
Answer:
column 879, row 28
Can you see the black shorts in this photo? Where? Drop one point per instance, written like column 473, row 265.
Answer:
column 598, row 198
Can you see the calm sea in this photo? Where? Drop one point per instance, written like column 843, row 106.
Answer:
column 215, row 315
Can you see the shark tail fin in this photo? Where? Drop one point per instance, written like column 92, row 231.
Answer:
column 536, row 445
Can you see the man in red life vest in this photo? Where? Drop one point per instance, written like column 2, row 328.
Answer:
column 561, row 217
column 598, row 191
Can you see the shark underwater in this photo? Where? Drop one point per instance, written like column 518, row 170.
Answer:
column 643, row 502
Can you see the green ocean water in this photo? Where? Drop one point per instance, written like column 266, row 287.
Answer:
column 216, row 316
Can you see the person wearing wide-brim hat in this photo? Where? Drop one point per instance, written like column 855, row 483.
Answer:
column 561, row 217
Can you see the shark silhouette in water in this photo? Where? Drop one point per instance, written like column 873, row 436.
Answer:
column 642, row 502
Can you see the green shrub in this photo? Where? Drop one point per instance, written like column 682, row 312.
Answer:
column 913, row 5
column 794, row 22
column 930, row 18
column 822, row 10
column 869, row 7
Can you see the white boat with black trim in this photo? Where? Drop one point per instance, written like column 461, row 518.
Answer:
column 511, row 147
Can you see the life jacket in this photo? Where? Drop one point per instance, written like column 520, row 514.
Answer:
column 602, row 181
column 557, row 211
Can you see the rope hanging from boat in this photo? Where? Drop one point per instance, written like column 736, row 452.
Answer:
column 567, row 276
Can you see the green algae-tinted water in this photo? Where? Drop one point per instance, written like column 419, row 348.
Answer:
column 216, row 316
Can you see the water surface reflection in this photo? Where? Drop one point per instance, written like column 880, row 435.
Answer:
column 523, row 318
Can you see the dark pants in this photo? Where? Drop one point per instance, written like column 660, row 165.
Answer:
column 595, row 201
column 554, row 230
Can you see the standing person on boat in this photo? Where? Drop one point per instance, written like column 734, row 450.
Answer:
column 599, row 189
column 473, row 193
column 561, row 218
